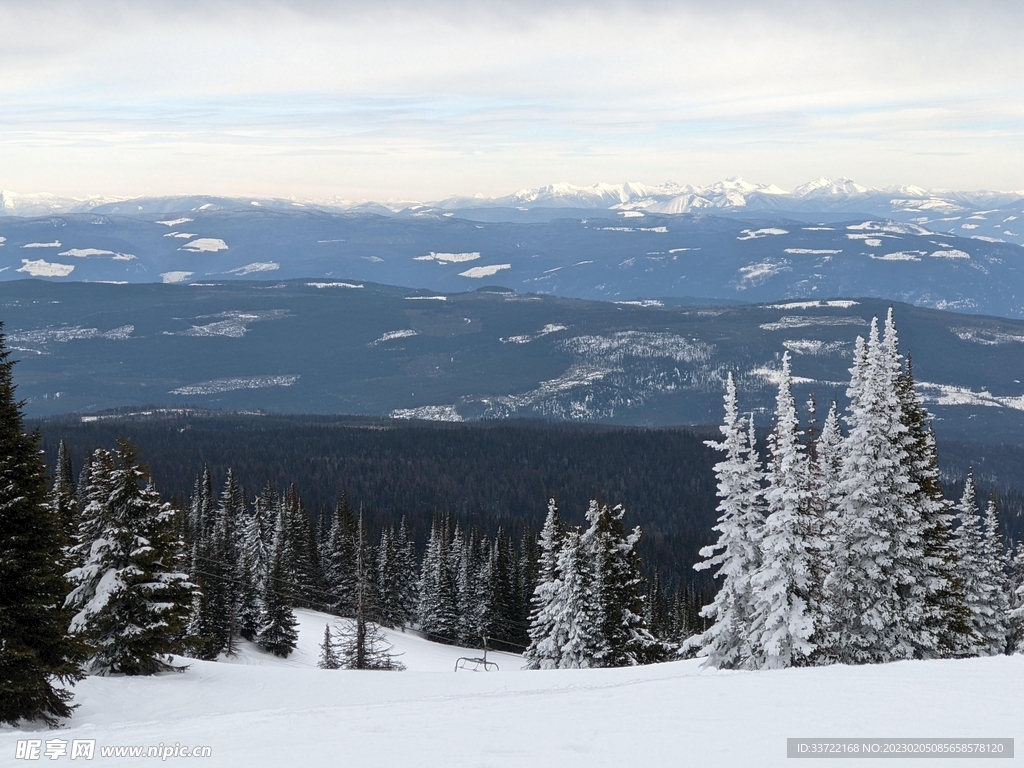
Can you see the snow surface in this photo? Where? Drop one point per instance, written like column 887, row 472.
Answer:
column 256, row 266
column 403, row 334
column 175, row 277
column 333, row 285
column 448, row 258
column 842, row 303
column 43, row 268
column 759, row 233
column 217, row 386
column 54, row 244
column 175, row 222
column 84, row 253
column 428, row 413
column 205, row 245
column 813, row 251
column 478, row 272
column 257, row 710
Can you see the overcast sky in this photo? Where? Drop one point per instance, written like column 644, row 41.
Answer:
column 422, row 100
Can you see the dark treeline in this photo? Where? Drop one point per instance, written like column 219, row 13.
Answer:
column 487, row 476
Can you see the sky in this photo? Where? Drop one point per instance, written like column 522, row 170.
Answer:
column 426, row 99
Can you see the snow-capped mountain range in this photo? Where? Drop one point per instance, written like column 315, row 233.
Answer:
column 821, row 194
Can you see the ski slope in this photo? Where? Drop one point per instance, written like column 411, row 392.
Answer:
column 257, row 710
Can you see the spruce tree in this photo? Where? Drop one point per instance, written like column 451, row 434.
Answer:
column 37, row 657
column 736, row 555
column 785, row 610
column 967, row 540
column 63, row 494
column 994, row 584
column 131, row 594
column 277, row 632
column 545, row 649
column 328, row 653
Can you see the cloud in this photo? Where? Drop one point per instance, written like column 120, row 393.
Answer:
column 429, row 99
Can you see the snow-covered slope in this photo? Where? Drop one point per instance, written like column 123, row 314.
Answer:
column 266, row 712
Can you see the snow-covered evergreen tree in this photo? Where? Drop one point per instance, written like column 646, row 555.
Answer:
column 437, row 613
column 967, row 540
column 277, row 632
column 328, row 653
column 876, row 605
column 785, row 605
column 624, row 638
column 62, row 495
column 36, row 653
column 736, row 555
column 995, row 586
column 1015, row 614
column 131, row 595
column 545, row 649
column 577, row 615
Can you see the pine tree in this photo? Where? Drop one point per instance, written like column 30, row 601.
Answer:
column 36, row 653
column 970, row 562
column 995, row 604
column 131, row 595
column 63, row 496
column 328, row 653
column 1015, row 614
column 408, row 572
column 438, row 615
column 545, row 649
column 339, row 561
column 577, row 609
column 625, row 639
column 277, row 632
column 945, row 629
column 785, row 612
column 737, row 554
column 875, row 604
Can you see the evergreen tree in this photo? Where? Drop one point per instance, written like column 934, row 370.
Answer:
column 876, row 608
column 339, row 560
column 63, row 495
column 945, row 629
column 737, row 554
column 438, row 615
column 277, row 632
column 328, row 653
column 408, row 572
column 545, row 648
column 970, row 561
column 785, row 612
column 1015, row 614
column 995, row 587
column 625, row 639
column 577, row 610
column 36, row 653
column 131, row 595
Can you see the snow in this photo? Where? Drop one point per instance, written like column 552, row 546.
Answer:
column 176, row 222
column 946, row 394
column 841, row 303
column 217, row 386
column 449, row 258
column 428, row 413
column 987, row 239
column 796, row 321
column 952, row 253
column 643, row 303
column 54, row 244
column 526, row 339
column 899, row 256
column 233, row 323
column 403, row 334
column 758, row 233
column 182, row 235
column 84, row 253
column 987, row 338
column 815, row 347
column 631, row 214
column 259, row 710
column 205, row 245
column 175, row 277
column 813, row 251
column 755, row 274
column 478, row 272
column 67, row 333
column 2, row 241
column 426, row 298
column 256, row 266
column 333, row 285
column 43, row 268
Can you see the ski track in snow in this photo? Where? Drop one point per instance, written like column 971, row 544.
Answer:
column 258, row 710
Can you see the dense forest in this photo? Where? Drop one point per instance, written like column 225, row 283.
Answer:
column 486, row 474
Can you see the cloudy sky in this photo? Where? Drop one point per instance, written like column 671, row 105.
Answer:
column 403, row 99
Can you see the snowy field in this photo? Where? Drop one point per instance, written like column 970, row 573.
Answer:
column 257, row 710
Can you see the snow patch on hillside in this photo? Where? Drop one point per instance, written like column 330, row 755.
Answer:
column 334, row 285
column 756, row 234
column 426, row 298
column 235, row 324
column 205, row 245
column 899, row 256
column 756, row 274
column 448, row 258
column 945, row 394
column 953, row 253
column 217, row 386
column 815, row 347
column 174, row 222
column 84, row 253
column 804, row 321
column 175, row 277
column 390, row 335
column 43, row 268
column 256, row 266
column 54, row 244
column 66, row 333
column 987, row 338
column 478, row 272
column 547, row 329
column 428, row 413
column 841, row 303
column 813, row 251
